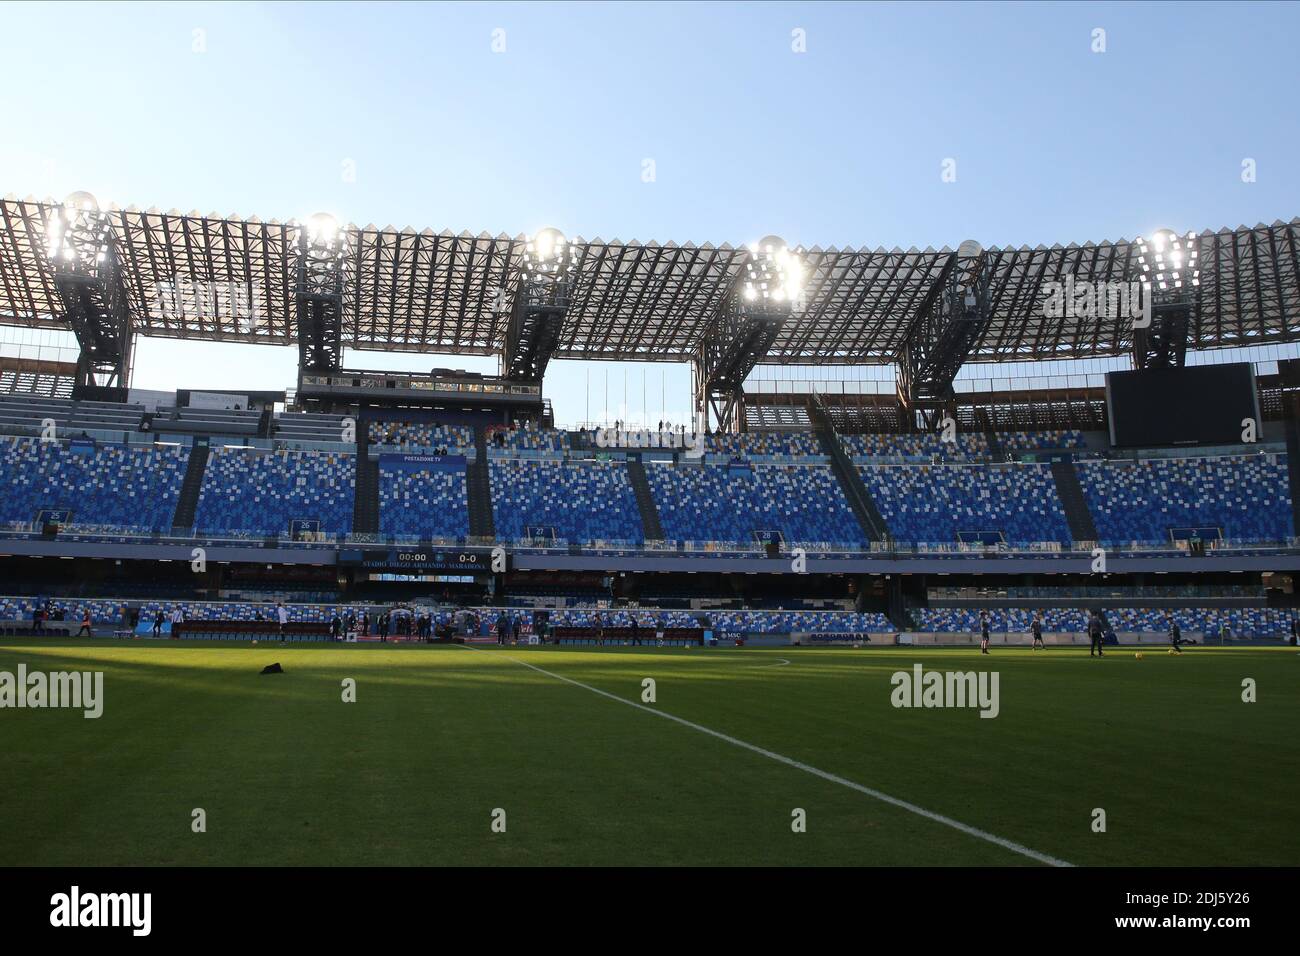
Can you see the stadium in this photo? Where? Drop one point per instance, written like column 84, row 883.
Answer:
column 446, row 509
column 976, row 556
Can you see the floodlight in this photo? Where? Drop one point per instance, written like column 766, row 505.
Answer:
column 772, row 272
column 322, row 230
column 547, row 256
column 76, row 231
column 1172, row 257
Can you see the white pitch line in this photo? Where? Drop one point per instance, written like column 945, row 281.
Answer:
column 779, row 662
column 806, row 768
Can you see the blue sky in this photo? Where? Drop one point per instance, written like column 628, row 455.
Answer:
column 839, row 145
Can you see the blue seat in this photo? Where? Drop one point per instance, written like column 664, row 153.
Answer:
column 424, row 503
column 1248, row 497
column 932, row 504
column 246, row 491
column 717, row 503
column 583, row 501
column 113, row 485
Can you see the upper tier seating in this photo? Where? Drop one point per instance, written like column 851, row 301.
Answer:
column 312, row 426
column 528, row 437
column 424, row 504
column 930, row 504
column 457, row 439
column 249, row 492
column 1042, row 440
column 581, row 500
column 716, row 503
column 1247, row 496
column 747, row 444
column 920, row 445
column 128, row 487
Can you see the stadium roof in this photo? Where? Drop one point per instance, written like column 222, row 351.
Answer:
column 438, row 292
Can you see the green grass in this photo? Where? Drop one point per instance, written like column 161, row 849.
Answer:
column 440, row 736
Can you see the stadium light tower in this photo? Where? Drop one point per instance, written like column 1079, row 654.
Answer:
column 80, row 245
column 1170, row 273
column 769, row 290
column 943, row 333
column 541, row 302
column 323, row 250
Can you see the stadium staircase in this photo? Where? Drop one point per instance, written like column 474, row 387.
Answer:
column 365, row 504
column 1068, row 489
column 479, row 486
column 855, row 490
column 1293, row 470
column 645, row 501
column 187, row 502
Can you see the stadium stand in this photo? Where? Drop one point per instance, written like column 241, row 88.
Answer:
column 788, row 444
column 109, row 485
column 251, row 492
column 793, row 622
column 109, row 613
column 717, row 503
column 423, row 503
column 1241, row 622
column 1247, row 497
column 528, row 437
column 309, row 427
column 582, row 501
column 1042, row 441
column 645, row 617
column 934, row 504
column 422, row 436
column 923, row 445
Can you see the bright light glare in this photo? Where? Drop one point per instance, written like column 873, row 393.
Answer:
column 546, row 255
column 1174, row 259
column 773, row 272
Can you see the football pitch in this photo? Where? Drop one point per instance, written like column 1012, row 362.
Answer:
column 445, row 747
